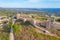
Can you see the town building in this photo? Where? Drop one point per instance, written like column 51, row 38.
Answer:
column 22, row 16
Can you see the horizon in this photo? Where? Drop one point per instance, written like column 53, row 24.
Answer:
column 30, row 3
column 29, row 8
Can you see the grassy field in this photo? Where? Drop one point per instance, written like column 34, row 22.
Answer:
column 4, row 35
column 25, row 31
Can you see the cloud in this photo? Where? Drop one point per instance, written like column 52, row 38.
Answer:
column 53, row 0
column 30, row 3
column 17, row 5
column 33, row 1
column 36, row 1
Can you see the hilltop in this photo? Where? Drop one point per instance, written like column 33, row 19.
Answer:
column 28, row 25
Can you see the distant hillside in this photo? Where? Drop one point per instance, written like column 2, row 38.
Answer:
column 50, row 11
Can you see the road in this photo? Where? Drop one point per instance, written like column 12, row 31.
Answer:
column 11, row 31
column 42, row 29
column 39, row 30
column 11, row 34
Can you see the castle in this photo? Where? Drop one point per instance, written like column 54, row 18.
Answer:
column 49, row 23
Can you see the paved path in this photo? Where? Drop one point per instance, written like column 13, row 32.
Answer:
column 11, row 34
column 11, row 31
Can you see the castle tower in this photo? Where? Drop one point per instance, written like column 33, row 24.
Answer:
column 50, row 21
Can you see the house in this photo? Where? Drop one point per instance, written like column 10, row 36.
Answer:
column 18, row 16
column 33, row 21
column 1, row 25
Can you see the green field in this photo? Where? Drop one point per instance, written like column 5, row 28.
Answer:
column 25, row 31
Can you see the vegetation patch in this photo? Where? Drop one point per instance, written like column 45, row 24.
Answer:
column 24, row 32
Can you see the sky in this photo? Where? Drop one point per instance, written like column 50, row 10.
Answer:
column 30, row 3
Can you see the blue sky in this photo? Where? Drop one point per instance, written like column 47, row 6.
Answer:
column 30, row 3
